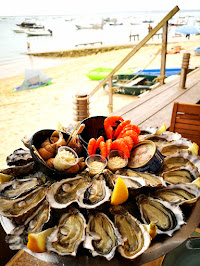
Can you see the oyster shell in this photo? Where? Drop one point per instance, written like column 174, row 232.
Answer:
column 183, row 174
column 102, row 238
column 150, row 179
column 19, row 157
column 18, row 187
column 181, row 159
column 179, row 193
column 95, row 194
column 131, row 182
column 69, row 233
column 175, row 146
column 166, row 216
column 21, row 206
column 19, row 171
column 136, row 237
column 61, row 194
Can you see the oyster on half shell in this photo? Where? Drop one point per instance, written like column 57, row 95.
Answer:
column 61, row 194
column 183, row 174
column 70, row 232
column 166, row 216
column 135, row 235
column 18, row 187
column 179, row 193
column 95, row 194
column 175, row 146
column 21, row 206
column 102, row 238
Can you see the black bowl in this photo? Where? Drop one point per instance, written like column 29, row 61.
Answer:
column 37, row 139
column 94, row 128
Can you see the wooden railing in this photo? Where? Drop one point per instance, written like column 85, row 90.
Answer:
column 163, row 23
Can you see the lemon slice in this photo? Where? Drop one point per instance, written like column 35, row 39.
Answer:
column 37, row 242
column 120, row 193
column 4, row 178
column 196, row 182
column 194, row 148
column 161, row 129
column 152, row 229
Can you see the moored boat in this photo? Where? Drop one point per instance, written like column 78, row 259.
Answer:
column 38, row 32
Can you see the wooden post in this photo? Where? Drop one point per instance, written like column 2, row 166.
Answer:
column 81, row 106
column 110, row 91
column 163, row 53
column 184, row 69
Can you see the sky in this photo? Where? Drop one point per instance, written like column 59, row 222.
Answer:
column 67, row 7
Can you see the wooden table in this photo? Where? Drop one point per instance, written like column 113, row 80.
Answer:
column 155, row 108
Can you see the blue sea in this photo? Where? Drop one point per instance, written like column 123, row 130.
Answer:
column 13, row 46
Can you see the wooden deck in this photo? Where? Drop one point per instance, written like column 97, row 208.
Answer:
column 155, row 108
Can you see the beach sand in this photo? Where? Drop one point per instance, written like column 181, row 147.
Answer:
column 23, row 113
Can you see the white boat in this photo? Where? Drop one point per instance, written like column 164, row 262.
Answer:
column 25, row 27
column 38, row 32
column 19, row 30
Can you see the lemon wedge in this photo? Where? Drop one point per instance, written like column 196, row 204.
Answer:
column 162, row 129
column 120, row 193
column 59, row 126
column 37, row 241
column 4, row 178
column 196, row 182
column 152, row 229
column 194, row 148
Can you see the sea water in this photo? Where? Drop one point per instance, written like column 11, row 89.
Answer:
column 13, row 46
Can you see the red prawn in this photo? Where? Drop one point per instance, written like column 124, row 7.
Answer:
column 129, row 127
column 108, row 146
column 102, row 147
column 121, row 127
column 91, row 146
column 132, row 134
column 109, row 123
column 120, row 145
column 101, row 138
column 129, row 142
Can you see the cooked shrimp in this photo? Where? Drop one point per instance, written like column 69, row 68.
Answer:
column 132, row 134
column 120, row 145
column 108, row 146
column 102, row 147
column 129, row 142
column 120, row 127
column 101, row 138
column 129, row 127
column 91, row 146
column 109, row 123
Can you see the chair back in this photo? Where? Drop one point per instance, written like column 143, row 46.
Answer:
column 186, row 121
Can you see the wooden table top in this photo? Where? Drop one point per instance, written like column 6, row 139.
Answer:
column 155, row 108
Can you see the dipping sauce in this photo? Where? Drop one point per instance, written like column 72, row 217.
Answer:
column 96, row 167
column 116, row 163
column 65, row 158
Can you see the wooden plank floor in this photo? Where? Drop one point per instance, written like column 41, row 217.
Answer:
column 155, row 108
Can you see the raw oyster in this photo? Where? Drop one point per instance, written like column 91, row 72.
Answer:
column 175, row 146
column 18, row 187
column 183, row 174
column 95, row 194
column 135, row 235
column 162, row 138
column 179, row 193
column 166, row 216
column 19, row 171
column 21, row 206
column 131, row 182
column 102, row 238
column 19, row 157
column 181, row 159
column 17, row 238
column 62, row 194
column 150, row 179
column 69, row 233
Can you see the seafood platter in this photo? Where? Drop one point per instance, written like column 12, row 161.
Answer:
column 106, row 193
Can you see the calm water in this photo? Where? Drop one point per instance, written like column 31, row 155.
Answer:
column 13, row 46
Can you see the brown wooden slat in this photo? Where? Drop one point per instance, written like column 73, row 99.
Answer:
column 173, row 119
column 187, row 121
column 189, row 127
column 184, row 132
column 189, row 109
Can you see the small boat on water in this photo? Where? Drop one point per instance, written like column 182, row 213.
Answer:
column 21, row 28
column 38, row 32
column 132, row 84
column 197, row 51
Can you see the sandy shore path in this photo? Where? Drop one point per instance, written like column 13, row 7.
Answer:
column 23, row 113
